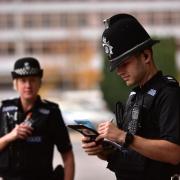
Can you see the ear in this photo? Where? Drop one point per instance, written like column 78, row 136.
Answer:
column 147, row 55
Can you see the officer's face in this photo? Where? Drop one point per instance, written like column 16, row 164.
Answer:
column 133, row 70
column 28, row 87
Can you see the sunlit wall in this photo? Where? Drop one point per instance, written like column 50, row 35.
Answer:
column 65, row 35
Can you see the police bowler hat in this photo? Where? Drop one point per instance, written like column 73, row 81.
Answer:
column 124, row 36
column 27, row 66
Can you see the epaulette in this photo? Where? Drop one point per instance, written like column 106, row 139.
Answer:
column 50, row 103
column 171, row 80
column 9, row 101
column 9, row 105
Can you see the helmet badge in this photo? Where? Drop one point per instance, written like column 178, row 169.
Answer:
column 27, row 66
column 107, row 47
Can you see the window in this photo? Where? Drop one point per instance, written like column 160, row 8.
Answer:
column 6, row 21
column 7, row 48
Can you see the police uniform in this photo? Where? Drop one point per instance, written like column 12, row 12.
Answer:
column 153, row 112
column 31, row 159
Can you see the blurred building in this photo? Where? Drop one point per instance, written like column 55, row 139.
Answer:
column 65, row 34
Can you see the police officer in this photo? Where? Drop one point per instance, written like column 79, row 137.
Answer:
column 149, row 126
column 29, row 129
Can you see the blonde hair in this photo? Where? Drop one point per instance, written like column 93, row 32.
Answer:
column 15, row 84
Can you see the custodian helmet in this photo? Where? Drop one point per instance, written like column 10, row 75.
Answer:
column 122, row 37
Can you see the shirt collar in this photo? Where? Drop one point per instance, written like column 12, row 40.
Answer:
column 150, row 83
column 36, row 104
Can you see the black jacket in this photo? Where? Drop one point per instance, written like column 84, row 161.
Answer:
column 32, row 157
column 153, row 112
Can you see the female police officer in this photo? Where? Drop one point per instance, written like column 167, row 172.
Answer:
column 29, row 129
column 149, row 129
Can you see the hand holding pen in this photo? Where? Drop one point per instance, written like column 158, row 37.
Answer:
column 108, row 130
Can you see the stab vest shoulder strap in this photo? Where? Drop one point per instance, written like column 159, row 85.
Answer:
column 151, row 94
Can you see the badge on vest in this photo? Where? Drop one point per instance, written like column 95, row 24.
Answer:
column 34, row 139
column 44, row 111
column 152, row 92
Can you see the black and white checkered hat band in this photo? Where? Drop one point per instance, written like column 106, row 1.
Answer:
column 25, row 71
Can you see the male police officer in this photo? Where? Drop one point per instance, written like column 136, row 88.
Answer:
column 29, row 129
column 149, row 129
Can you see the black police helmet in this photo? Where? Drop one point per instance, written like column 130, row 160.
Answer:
column 123, row 36
column 27, row 66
